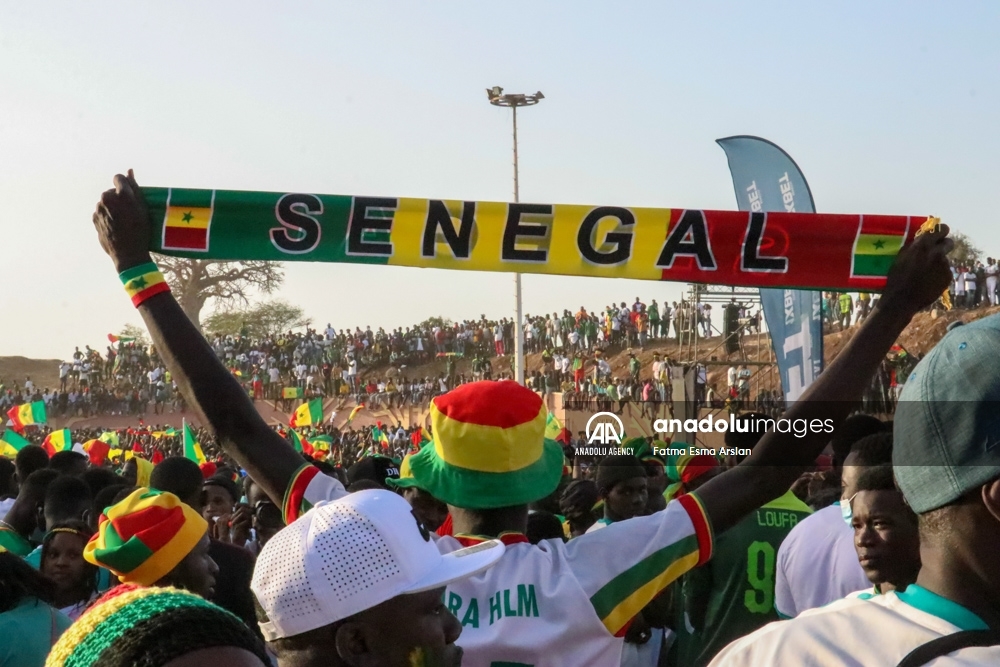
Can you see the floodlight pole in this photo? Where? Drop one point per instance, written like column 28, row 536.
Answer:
column 499, row 99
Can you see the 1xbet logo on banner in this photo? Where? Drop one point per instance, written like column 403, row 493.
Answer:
column 605, row 428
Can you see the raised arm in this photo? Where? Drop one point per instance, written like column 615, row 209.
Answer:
column 122, row 223
column 918, row 277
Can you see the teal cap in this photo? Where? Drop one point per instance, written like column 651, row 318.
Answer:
column 946, row 431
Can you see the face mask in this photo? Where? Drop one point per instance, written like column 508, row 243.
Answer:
column 845, row 510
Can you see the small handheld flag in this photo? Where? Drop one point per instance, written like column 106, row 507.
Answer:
column 309, row 413
column 300, row 444
column 11, row 442
column 192, row 448
column 27, row 414
column 354, row 412
column 58, row 441
column 97, row 451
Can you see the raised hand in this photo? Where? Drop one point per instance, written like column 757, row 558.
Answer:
column 920, row 273
column 122, row 223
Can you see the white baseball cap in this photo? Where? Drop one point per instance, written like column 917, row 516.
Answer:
column 349, row 555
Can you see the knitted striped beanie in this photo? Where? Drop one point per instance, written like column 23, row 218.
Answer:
column 145, row 536
column 148, row 627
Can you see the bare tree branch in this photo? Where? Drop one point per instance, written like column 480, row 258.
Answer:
column 230, row 284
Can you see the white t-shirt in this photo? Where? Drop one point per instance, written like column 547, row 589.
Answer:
column 556, row 604
column 860, row 631
column 817, row 564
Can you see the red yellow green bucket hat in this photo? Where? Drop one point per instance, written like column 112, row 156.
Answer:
column 489, row 448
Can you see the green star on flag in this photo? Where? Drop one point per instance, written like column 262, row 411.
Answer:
column 879, row 244
column 187, row 217
column 137, row 284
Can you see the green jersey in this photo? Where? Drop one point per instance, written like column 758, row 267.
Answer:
column 733, row 594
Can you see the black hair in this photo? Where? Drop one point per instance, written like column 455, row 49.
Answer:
column 67, row 498
column 30, row 459
column 37, row 483
column 224, row 482
column 83, row 530
column 106, row 498
column 853, row 429
column 18, row 581
column 99, row 479
column 876, row 478
column 365, row 485
column 179, row 476
column 6, row 477
column 67, row 462
column 873, row 450
column 544, row 525
column 176, row 632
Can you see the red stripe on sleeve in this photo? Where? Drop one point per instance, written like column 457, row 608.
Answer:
column 702, row 525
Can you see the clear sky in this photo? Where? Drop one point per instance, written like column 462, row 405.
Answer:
column 888, row 108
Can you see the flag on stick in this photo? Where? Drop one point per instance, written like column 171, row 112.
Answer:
column 309, row 413
column 554, row 430
column 27, row 414
column 300, row 444
column 58, row 441
column 192, row 448
column 379, row 436
column 354, row 412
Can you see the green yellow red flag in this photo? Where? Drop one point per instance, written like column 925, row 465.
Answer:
column 309, row 413
column 11, row 442
column 192, row 448
column 27, row 414
column 58, row 441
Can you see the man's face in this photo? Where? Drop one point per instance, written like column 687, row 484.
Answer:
column 627, row 498
column 217, row 502
column 885, row 537
column 412, row 630
column 429, row 510
column 197, row 572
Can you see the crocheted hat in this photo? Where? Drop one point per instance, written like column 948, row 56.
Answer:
column 489, row 448
column 143, row 537
column 135, row 625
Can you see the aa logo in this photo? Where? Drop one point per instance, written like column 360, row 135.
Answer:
column 605, row 428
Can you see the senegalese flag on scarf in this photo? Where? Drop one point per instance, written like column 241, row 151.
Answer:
column 354, row 412
column 58, row 441
column 11, row 442
column 309, row 413
column 192, row 448
column 879, row 240
column 142, row 282
column 97, row 451
column 291, row 392
column 188, row 219
column 27, row 414
column 300, row 444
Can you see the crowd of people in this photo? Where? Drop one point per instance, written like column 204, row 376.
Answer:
column 865, row 543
